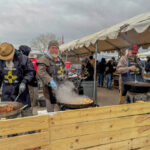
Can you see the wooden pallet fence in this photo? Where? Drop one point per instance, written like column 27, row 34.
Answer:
column 118, row 127
column 24, row 133
column 103, row 128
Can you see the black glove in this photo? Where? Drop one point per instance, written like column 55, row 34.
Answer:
column 22, row 88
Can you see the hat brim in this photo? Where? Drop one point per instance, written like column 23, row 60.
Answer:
column 9, row 56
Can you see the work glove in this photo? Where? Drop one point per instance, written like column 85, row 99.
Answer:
column 53, row 84
column 22, row 88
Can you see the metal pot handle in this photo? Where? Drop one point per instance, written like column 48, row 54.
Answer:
column 25, row 106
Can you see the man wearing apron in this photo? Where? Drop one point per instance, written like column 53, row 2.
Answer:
column 130, row 69
column 51, row 72
column 16, row 71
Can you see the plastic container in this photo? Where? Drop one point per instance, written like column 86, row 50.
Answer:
column 88, row 88
column 68, row 64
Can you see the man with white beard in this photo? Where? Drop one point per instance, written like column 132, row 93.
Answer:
column 51, row 72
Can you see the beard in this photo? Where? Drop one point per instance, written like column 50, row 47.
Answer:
column 54, row 55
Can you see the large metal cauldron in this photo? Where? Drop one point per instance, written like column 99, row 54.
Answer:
column 64, row 105
column 137, row 87
column 17, row 108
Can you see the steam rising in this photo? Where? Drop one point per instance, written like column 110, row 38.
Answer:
column 66, row 93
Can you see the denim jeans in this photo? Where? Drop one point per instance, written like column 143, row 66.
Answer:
column 108, row 80
column 101, row 79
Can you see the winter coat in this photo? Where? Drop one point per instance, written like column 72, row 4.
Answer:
column 101, row 67
column 23, row 71
column 88, row 71
column 47, row 72
column 109, row 69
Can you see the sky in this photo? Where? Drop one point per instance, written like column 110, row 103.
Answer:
column 23, row 20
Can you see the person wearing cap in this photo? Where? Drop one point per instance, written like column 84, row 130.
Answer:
column 128, row 67
column 16, row 71
column 51, row 72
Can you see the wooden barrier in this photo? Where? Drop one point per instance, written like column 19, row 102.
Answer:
column 118, row 127
column 16, row 133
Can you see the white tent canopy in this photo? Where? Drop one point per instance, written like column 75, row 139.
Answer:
column 132, row 31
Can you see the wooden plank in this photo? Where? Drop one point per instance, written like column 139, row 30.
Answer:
column 100, row 138
column 77, row 129
column 20, row 125
column 45, row 148
column 89, row 114
column 123, row 145
column 132, row 144
column 25, row 141
column 144, row 148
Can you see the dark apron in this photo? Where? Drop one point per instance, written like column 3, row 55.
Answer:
column 11, row 81
column 132, row 76
column 57, row 75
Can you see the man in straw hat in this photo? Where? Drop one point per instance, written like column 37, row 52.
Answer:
column 16, row 71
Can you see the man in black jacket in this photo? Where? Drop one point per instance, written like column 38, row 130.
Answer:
column 16, row 71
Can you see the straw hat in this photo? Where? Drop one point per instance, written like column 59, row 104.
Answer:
column 7, row 51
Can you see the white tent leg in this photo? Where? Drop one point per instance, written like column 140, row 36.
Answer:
column 66, row 57
column 95, row 85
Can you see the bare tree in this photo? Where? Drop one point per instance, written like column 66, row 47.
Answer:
column 41, row 42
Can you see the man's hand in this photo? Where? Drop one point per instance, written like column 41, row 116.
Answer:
column 22, row 88
column 132, row 68
column 53, row 84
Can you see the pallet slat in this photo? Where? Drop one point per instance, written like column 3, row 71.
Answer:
column 100, row 138
column 133, row 144
column 25, row 142
column 77, row 129
column 20, row 125
column 91, row 114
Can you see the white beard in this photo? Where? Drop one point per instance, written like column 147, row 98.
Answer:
column 54, row 55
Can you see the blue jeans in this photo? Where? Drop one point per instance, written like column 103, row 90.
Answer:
column 101, row 79
column 108, row 80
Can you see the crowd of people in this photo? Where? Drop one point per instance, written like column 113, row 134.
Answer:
column 18, row 72
column 105, row 70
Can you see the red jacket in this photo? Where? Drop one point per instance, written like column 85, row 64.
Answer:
column 34, row 61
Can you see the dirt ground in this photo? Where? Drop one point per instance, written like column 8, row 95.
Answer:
column 104, row 97
column 107, row 97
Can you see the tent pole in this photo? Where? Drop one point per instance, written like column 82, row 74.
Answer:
column 95, row 85
column 66, row 57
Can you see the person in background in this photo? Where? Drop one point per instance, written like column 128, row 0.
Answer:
column 92, row 61
column 101, row 70
column 16, row 71
column 128, row 67
column 51, row 72
column 147, row 65
column 109, row 73
column 33, row 85
column 114, row 63
column 87, row 70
